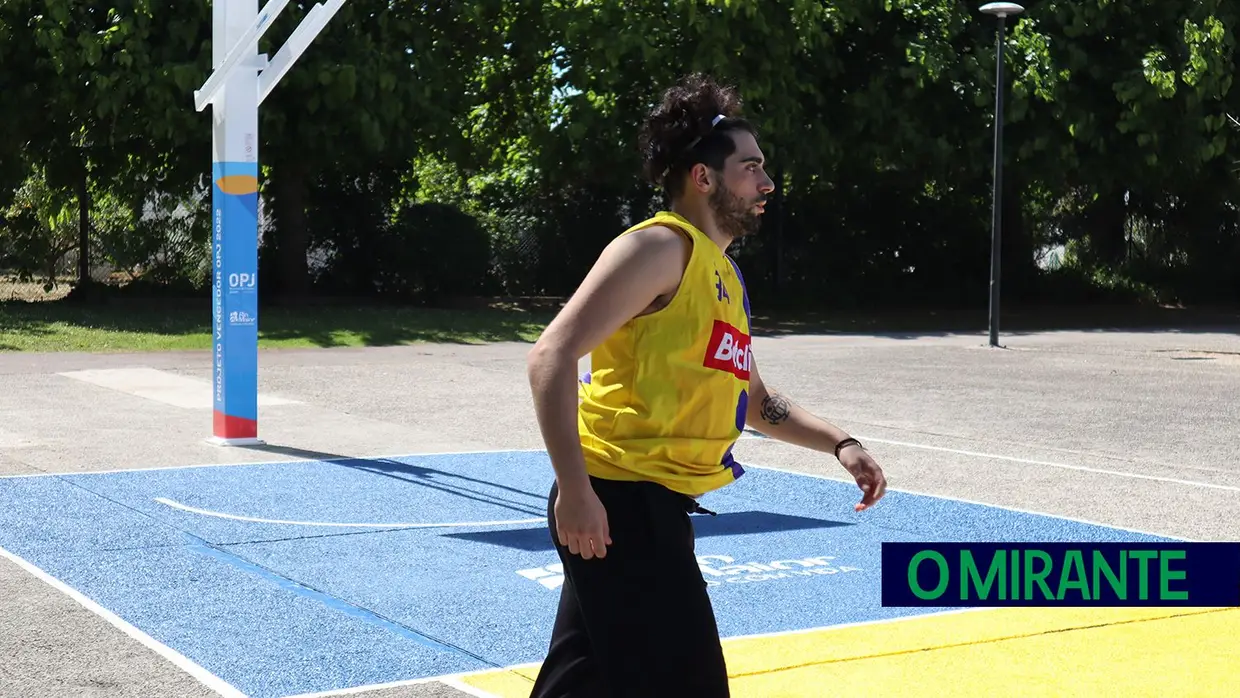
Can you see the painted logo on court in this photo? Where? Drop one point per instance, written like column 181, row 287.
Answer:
column 551, row 576
column 728, row 350
column 724, row 569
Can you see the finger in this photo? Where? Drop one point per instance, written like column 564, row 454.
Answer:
column 604, row 528
column 586, row 542
column 877, row 490
column 867, row 496
column 599, row 548
column 572, row 545
column 602, row 539
column 872, row 493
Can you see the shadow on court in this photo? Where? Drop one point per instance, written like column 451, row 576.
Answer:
column 727, row 524
column 534, row 539
column 487, row 492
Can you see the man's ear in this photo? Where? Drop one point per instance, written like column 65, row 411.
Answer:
column 701, row 177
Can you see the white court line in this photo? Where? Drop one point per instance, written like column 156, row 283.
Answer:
column 1049, row 464
column 371, row 687
column 221, row 515
column 182, row 662
column 452, row 680
column 1029, row 461
column 962, row 500
column 466, row 688
column 292, row 461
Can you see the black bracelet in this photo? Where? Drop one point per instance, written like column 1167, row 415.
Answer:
column 846, row 442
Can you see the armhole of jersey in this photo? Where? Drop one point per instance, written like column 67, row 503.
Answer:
column 744, row 291
column 680, row 286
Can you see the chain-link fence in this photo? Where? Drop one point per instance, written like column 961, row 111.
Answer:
column 164, row 240
column 360, row 243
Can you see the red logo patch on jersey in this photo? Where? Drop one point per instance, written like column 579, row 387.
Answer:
column 728, row 350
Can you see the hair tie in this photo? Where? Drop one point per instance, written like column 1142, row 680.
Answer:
column 713, row 123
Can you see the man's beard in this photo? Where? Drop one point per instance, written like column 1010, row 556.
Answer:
column 734, row 216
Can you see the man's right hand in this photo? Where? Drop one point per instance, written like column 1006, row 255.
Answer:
column 581, row 522
column 632, row 272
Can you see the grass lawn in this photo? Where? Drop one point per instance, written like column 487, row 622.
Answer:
column 145, row 326
column 120, row 327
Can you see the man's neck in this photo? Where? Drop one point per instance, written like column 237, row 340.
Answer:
column 699, row 214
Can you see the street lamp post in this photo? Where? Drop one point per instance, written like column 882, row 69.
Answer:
column 1001, row 10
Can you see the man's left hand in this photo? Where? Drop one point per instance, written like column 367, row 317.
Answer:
column 866, row 472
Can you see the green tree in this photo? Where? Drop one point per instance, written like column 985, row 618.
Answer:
column 98, row 96
column 382, row 83
column 1121, row 105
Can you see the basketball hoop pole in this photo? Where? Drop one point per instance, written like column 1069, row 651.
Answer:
column 240, row 80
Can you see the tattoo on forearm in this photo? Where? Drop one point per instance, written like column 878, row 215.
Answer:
column 775, row 408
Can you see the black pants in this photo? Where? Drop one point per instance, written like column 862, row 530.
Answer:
column 637, row 622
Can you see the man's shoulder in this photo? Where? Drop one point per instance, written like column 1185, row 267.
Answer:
column 656, row 233
column 656, row 240
column 654, row 256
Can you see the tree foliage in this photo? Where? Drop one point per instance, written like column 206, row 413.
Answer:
column 501, row 135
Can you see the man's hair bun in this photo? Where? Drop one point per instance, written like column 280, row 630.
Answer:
column 688, row 127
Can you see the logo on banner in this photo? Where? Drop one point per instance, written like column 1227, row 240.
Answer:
column 723, row 569
column 240, row 317
column 242, row 283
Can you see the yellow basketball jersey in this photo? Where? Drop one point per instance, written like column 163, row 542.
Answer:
column 666, row 395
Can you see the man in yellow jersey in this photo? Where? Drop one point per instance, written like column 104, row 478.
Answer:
column 665, row 317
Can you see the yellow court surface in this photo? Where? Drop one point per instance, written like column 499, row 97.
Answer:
column 1181, row 652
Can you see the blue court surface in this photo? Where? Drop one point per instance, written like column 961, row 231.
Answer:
column 298, row 577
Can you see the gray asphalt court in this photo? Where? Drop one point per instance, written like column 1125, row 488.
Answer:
column 1139, row 430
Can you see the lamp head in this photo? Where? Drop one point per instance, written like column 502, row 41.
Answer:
column 1002, row 9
